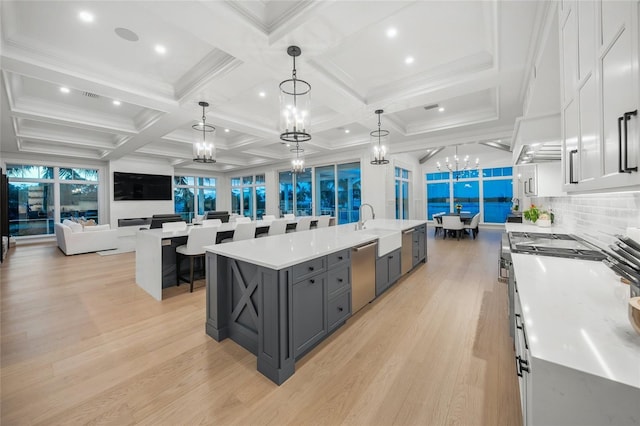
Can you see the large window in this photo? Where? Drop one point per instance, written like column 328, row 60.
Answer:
column 298, row 192
column 193, row 195
column 488, row 193
column 248, row 196
column 402, row 193
column 39, row 196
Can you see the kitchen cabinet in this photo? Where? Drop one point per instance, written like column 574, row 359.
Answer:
column 419, row 247
column 388, row 270
column 309, row 310
column 540, row 180
column 599, row 49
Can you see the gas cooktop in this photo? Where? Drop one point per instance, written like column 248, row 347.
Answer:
column 558, row 245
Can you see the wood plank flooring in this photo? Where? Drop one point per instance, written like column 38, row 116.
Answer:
column 82, row 344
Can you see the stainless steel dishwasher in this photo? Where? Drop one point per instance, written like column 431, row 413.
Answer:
column 363, row 275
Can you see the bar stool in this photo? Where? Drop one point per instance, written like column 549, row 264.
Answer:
column 198, row 237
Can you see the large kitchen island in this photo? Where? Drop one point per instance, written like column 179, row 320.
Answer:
column 280, row 296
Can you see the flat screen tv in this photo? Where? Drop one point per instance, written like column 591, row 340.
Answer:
column 138, row 186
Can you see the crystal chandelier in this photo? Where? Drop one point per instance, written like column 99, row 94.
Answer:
column 455, row 167
column 379, row 142
column 295, row 102
column 204, row 152
column 297, row 163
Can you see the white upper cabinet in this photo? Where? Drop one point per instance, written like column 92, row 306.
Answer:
column 599, row 49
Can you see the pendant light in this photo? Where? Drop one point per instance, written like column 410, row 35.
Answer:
column 204, row 152
column 379, row 143
column 295, row 103
column 297, row 163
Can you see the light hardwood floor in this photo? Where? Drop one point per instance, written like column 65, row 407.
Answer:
column 81, row 343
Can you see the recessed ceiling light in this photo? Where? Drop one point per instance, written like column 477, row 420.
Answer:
column 160, row 49
column 262, row 94
column 347, row 130
column 408, row 60
column 499, row 140
column 64, row 89
column 116, row 102
column 85, row 16
column 441, row 109
column 392, row 32
column 226, row 130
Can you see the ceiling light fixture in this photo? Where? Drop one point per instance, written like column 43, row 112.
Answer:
column 297, row 163
column 85, row 16
column 204, row 152
column 160, row 49
column 454, row 166
column 392, row 32
column 226, row 130
column 409, row 60
column 379, row 140
column 65, row 89
column 347, row 130
column 116, row 102
column 262, row 94
column 441, row 109
column 295, row 102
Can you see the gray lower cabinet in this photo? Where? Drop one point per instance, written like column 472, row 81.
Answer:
column 309, row 305
column 388, row 270
column 419, row 245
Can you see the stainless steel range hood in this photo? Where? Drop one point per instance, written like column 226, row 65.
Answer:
column 537, row 139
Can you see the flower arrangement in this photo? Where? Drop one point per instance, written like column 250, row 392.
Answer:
column 458, row 207
column 532, row 213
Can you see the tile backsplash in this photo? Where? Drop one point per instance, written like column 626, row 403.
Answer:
column 599, row 216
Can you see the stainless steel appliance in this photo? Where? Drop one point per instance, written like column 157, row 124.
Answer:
column 363, row 275
column 406, row 255
column 558, row 245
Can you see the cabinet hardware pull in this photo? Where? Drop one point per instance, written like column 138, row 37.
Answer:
column 518, row 317
column 375, row 243
column 340, row 280
column 339, row 257
column 571, row 154
column 620, row 168
column 518, row 372
column 531, row 186
column 312, row 281
column 627, row 117
column 410, row 231
column 311, row 268
column 389, row 257
column 524, row 365
column 525, row 187
column 340, row 309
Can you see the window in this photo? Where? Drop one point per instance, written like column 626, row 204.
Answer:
column 402, row 193
column 248, row 196
column 39, row 196
column 298, row 191
column 488, row 192
column 193, row 195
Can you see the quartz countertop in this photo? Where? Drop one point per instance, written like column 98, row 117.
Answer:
column 575, row 314
column 281, row 251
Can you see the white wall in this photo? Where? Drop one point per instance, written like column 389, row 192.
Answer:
column 133, row 209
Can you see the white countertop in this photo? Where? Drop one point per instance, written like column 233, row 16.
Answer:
column 281, row 251
column 529, row 227
column 575, row 314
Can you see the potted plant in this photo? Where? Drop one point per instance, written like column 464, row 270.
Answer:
column 532, row 213
column 458, row 208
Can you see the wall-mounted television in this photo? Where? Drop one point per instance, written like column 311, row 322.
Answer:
column 138, row 186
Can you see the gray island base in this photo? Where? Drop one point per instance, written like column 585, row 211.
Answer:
column 279, row 313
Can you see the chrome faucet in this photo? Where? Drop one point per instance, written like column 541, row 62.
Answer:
column 361, row 222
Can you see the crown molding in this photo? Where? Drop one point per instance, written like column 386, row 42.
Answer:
column 215, row 65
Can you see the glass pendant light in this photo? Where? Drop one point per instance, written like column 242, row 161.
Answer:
column 297, row 163
column 379, row 143
column 295, row 103
column 203, row 151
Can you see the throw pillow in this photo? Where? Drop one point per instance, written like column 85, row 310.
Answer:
column 105, row 227
column 75, row 227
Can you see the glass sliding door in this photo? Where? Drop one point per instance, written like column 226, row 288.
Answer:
column 247, row 201
column 437, row 198
column 286, row 193
column 304, row 194
column 349, row 192
column 467, row 193
column 325, row 193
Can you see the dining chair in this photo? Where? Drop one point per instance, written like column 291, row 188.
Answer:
column 437, row 224
column 289, row 216
column 452, row 223
column 304, row 223
column 211, row 222
column 473, row 226
column 268, row 217
column 277, row 227
column 174, row 226
column 323, row 221
column 244, row 231
column 198, row 237
column 243, row 219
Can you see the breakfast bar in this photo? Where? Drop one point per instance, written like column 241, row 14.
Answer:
column 278, row 297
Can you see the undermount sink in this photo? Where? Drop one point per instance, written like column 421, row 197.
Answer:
column 388, row 240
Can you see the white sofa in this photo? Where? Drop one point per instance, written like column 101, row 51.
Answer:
column 85, row 240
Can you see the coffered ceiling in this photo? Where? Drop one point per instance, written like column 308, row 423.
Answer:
column 454, row 72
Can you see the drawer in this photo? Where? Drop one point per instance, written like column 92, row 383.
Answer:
column 339, row 309
column 339, row 256
column 308, row 268
column 338, row 280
